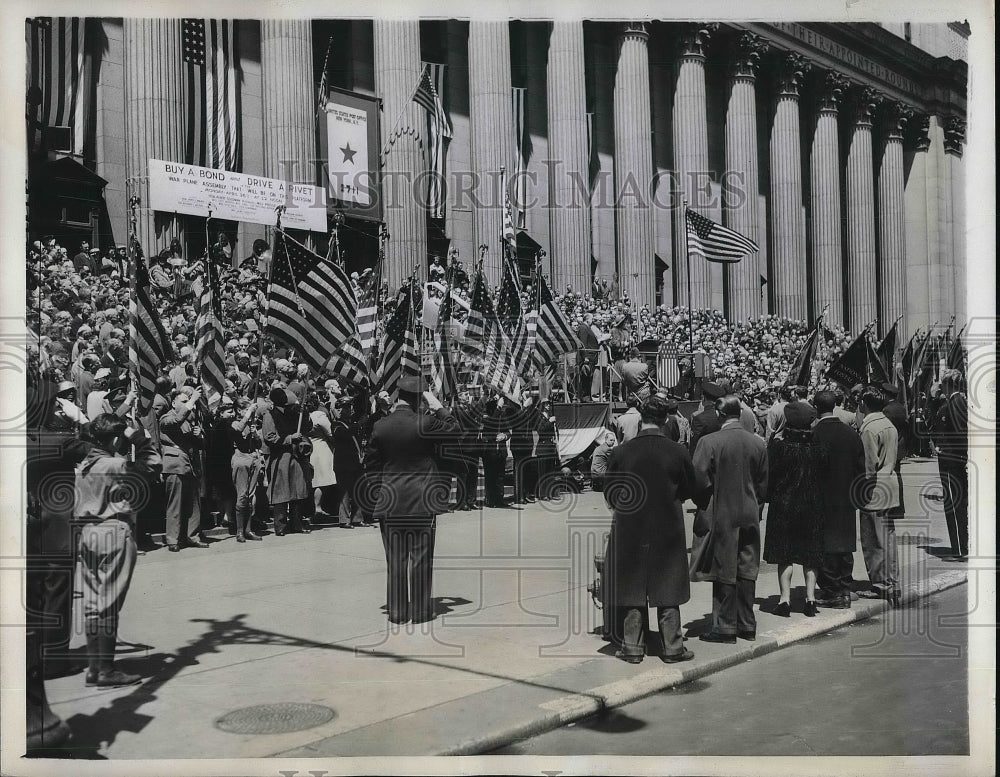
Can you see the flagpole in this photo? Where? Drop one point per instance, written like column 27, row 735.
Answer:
column 687, row 262
column 267, row 298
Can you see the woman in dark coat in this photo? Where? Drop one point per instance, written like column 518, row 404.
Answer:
column 347, row 461
column 546, row 458
column 288, row 470
column 795, row 514
column 646, row 564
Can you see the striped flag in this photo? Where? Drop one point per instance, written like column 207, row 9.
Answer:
column 518, row 107
column 428, row 96
column 554, row 335
column 368, row 315
column 311, row 305
column 399, row 345
column 211, row 353
column 56, row 60
column 349, row 362
column 212, row 93
column 715, row 242
column 509, row 236
column 668, row 372
column 515, row 324
column 148, row 344
column 445, row 376
column 498, row 369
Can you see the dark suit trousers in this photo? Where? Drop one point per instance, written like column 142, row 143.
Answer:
column 732, row 607
column 955, row 486
column 669, row 621
column 836, row 574
column 410, row 556
column 493, row 472
column 524, row 475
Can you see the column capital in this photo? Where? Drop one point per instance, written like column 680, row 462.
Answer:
column 918, row 132
column 746, row 58
column 895, row 117
column 831, row 92
column 954, row 135
column 864, row 101
column 791, row 70
column 694, row 37
column 635, row 31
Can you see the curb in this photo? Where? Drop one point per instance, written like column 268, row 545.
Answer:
column 573, row 707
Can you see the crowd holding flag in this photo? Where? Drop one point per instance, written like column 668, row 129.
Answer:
column 553, row 336
column 399, row 356
column 211, row 345
column 485, row 338
column 311, row 302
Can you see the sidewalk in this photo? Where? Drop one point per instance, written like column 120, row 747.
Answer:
column 297, row 620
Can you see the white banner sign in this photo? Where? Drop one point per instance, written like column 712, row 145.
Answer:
column 179, row 188
column 347, row 136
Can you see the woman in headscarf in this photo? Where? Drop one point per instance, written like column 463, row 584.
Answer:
column 795, row 511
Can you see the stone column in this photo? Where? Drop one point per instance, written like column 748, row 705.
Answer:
column 634, row 167
column 954, row 139
column 397, row 70
column 787, row 223
column 690, row 132
column 824, row 166
column 892, row 218
column 740, row 204
column 154, row 116
column 860, row 186
column 493, row 143
column 569, row 218
column 918, row 224
column 289, row 99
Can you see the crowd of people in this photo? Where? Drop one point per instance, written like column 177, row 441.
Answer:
column 816, row 460
column 286, row 447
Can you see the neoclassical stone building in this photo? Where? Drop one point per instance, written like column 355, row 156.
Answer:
column 837, row 147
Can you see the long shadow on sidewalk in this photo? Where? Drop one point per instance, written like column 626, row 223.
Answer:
column 92, row 733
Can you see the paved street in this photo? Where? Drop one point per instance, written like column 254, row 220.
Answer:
column 299, row 620
column 850, row 692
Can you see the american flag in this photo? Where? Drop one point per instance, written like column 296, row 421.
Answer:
column 368, row 314
column 311, row 305
column 554, row 335
column 714, row 241
column 445, row 376
column 148, row 344
column 498, row 370
column 515, row 324
column 211, row 346
column 428, row 96
column 352, row 361
column 509, row 236
column 56, row 68
column 212, row 93
column 399, row 345
column 668, row 373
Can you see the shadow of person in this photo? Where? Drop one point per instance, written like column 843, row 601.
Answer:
column 938, row 551
column 702, row 625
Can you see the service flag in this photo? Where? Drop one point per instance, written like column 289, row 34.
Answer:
column 858, row 364
column 800, row 372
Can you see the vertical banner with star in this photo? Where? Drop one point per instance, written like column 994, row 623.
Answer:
column 351, row 153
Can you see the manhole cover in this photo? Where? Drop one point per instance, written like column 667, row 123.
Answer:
column 274, row 718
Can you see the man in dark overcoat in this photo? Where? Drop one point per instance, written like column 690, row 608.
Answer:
column 839, row 486
column 706, row 420
column 402, row 457
column 733, row 462
column 647, row 481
